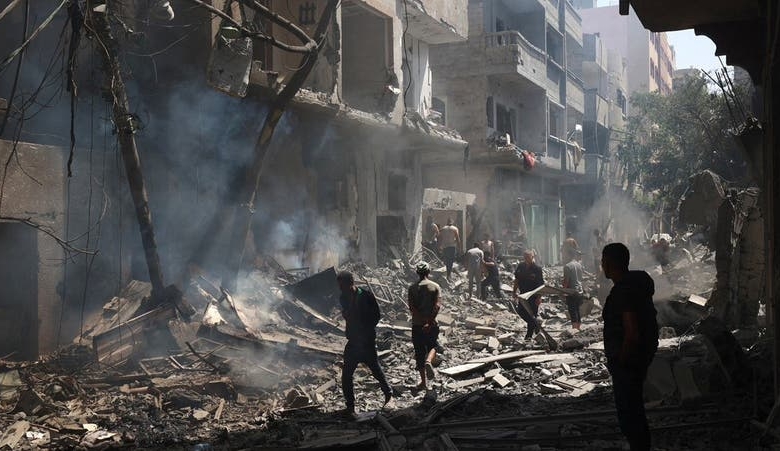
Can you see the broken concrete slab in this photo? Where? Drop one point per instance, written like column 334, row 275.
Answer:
column 509, row 356
column 319, row 291
column 461, row 369
column 501, row 380
column 13, row 434
column 484, row 330
column 542, row 358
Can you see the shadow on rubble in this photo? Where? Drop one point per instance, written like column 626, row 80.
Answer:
column 487, row 419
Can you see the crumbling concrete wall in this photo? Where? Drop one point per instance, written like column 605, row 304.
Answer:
column 34, row 189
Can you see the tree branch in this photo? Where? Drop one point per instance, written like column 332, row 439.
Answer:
column 65, row 244
column 307, row 49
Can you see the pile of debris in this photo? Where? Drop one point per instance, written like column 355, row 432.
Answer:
column 262, row 367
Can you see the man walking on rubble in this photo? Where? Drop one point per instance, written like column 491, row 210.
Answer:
column 528, row 277
column 572, row 278
column 424, row 300
column 492, row 278
column 474, row 259
column 630, row 340
column 449, row 240
column 361, row 312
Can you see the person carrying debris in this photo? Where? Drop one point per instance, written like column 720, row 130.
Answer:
column 361, row 312
column 491, row 280
column 528, row 277
column 630, row 340
column 424, row 302
column 572, row 278
column 449, row 240
column 474, row 259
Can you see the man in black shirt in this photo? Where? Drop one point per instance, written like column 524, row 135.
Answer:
column 528, row 277
column 492, row 279
column 630, row 340
column 361, row 312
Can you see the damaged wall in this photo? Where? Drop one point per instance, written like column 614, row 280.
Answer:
column 31, row 301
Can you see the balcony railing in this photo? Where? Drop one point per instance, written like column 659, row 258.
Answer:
column 511, row 47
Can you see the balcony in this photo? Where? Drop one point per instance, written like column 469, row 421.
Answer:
column 575, row 97
column 510, row 51
column 597, row 109
column 437, row 22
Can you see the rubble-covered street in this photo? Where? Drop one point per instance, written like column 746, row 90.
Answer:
column 233, row 377
column 389, row 224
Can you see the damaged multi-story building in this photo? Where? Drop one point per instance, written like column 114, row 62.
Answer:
column 343, row 178
column 514, row 90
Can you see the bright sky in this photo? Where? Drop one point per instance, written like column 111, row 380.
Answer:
column 691, row 50
column 694, row 51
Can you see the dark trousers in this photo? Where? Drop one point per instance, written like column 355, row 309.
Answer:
column 574, row 303
column 423, row 341
column 355, row 353
column 491, row 281
column 529, row 318
column 628, row 383
column 448, row 254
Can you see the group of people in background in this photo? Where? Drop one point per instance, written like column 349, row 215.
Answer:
column 630, row 327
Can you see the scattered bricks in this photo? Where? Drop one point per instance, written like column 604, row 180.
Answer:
column 484, row 330
column 501, row 381
column 506, row 338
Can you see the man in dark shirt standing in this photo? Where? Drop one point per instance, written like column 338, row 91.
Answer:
column 528, row 277
column 361, row 312
column 630, row 340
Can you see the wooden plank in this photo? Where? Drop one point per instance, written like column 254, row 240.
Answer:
column 220, row 408
column 564, row 357
column 461, row 369
column 466, row 383
column 515, row 355
column 341, row 441
column 446, row 442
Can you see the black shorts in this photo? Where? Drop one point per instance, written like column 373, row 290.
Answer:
column 423, row 341
column 574, row 302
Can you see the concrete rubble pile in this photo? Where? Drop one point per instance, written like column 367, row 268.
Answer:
column 263, row 369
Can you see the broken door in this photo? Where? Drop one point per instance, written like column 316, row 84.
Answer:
column 18, row 291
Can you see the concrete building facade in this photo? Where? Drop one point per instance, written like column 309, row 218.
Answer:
column 513, row 89
column 650, row 58
column 347, row 187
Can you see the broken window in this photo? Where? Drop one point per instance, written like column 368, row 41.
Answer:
column 489, row 110
column 621, row 100
column 396, row 192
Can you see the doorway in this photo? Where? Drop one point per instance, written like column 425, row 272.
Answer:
column 19, row 298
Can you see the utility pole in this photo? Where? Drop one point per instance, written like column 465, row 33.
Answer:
column 96, row 16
